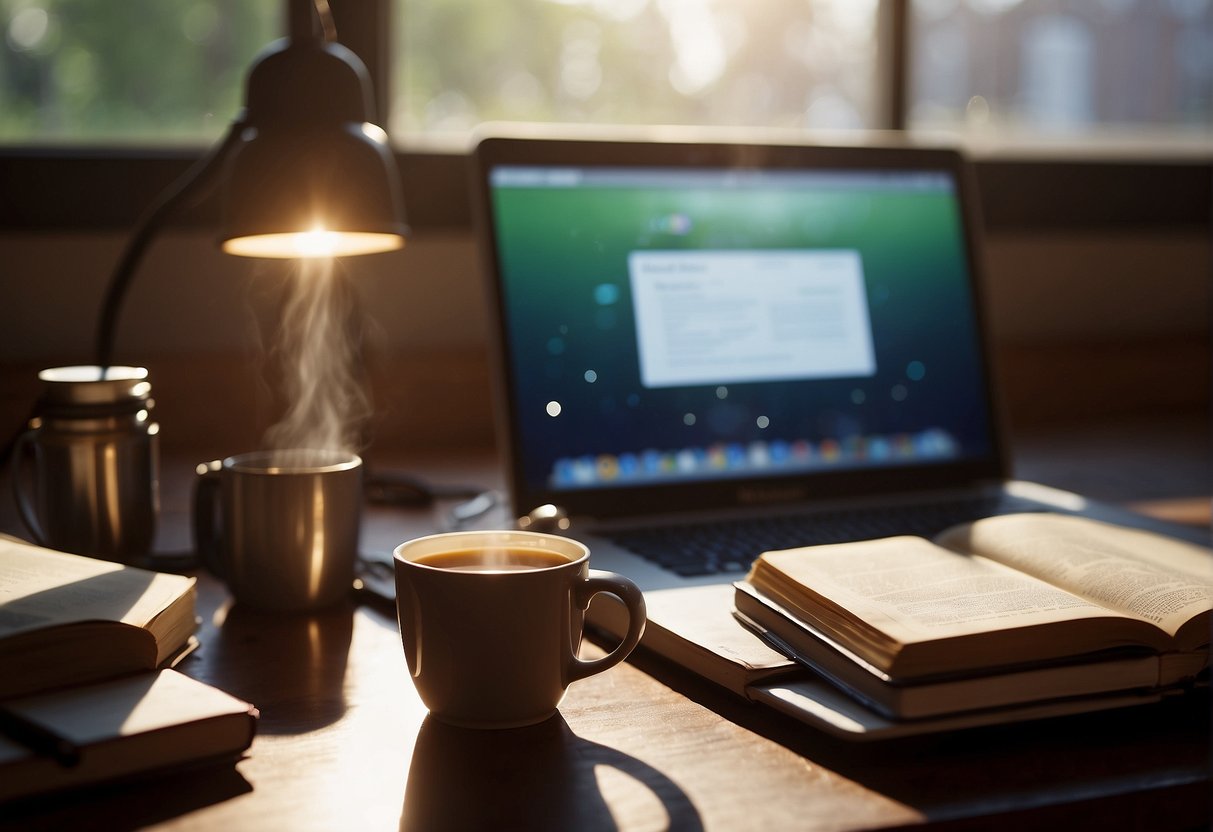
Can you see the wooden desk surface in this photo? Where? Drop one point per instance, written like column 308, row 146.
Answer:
column 344, row 743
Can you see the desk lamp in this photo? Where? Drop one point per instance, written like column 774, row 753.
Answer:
column 305, row 171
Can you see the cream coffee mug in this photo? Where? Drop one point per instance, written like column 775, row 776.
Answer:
column 492, row 621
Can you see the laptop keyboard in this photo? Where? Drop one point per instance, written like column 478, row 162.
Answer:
column 729, row 547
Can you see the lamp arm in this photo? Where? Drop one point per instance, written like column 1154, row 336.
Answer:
column 304, row 17
column 327, row 27
column 149, row 223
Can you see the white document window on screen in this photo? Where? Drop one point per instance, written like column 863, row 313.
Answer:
column 731, row 316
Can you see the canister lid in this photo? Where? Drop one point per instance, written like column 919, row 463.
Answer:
column 92, row 385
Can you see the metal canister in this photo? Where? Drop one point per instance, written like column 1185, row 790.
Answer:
column 94, row 475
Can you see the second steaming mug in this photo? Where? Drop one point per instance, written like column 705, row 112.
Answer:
column 281, row 527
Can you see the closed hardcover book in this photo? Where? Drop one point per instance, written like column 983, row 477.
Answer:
column 118, row 729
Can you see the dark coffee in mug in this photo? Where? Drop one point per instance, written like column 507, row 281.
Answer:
column 495, row 559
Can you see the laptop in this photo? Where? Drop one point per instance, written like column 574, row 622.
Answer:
column 706, row 350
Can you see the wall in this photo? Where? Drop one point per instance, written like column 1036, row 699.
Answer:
column 1083, row 324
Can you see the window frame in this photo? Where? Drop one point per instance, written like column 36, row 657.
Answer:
column 111, row 186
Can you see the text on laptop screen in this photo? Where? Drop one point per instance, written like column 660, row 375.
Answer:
column 669, row 325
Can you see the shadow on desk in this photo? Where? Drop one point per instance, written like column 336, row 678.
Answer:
column 290, row 665
column 535, row 778
column 1146, row 767
column 133, row 804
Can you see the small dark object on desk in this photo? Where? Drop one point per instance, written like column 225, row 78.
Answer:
column 394, row 488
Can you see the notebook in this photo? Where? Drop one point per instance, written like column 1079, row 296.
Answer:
column 705, row 350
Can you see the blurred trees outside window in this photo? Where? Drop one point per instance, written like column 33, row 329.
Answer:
column 158, row 72
column 771, row 63
column 1062, row 67
column 130, row 72
column 1020, row 68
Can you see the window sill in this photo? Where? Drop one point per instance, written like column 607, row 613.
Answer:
column 1039, row 189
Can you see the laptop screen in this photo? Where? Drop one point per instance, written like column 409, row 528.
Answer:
column 671, row 326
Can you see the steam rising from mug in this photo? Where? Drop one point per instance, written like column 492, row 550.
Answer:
column 317, row 349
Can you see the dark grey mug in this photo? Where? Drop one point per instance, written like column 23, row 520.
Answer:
column 280, row 528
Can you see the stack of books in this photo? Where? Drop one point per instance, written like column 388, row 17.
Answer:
column 88, row 693
column 1012, row 614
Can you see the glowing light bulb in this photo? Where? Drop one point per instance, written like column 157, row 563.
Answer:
column 316, row 243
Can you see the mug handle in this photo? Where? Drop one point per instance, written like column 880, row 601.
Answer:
column 633, row 599
column 206, row 514
column 24, row 507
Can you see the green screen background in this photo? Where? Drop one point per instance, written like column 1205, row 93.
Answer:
column 568, row 309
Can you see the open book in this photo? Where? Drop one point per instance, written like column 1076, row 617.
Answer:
column 66, row 619
column 1005, row 610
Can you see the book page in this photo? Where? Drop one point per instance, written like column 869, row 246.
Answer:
column 41, row 587
column 1144, row 575
column 914, row 591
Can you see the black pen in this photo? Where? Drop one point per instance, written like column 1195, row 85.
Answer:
column 38, row 738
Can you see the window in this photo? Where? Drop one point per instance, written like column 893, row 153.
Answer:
column 775, row 63
column 134, row 89
column 157, row 72
column 171, row 71
column 1021, row 69
column 1062, row 68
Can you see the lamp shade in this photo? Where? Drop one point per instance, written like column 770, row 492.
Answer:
column 310, row 174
